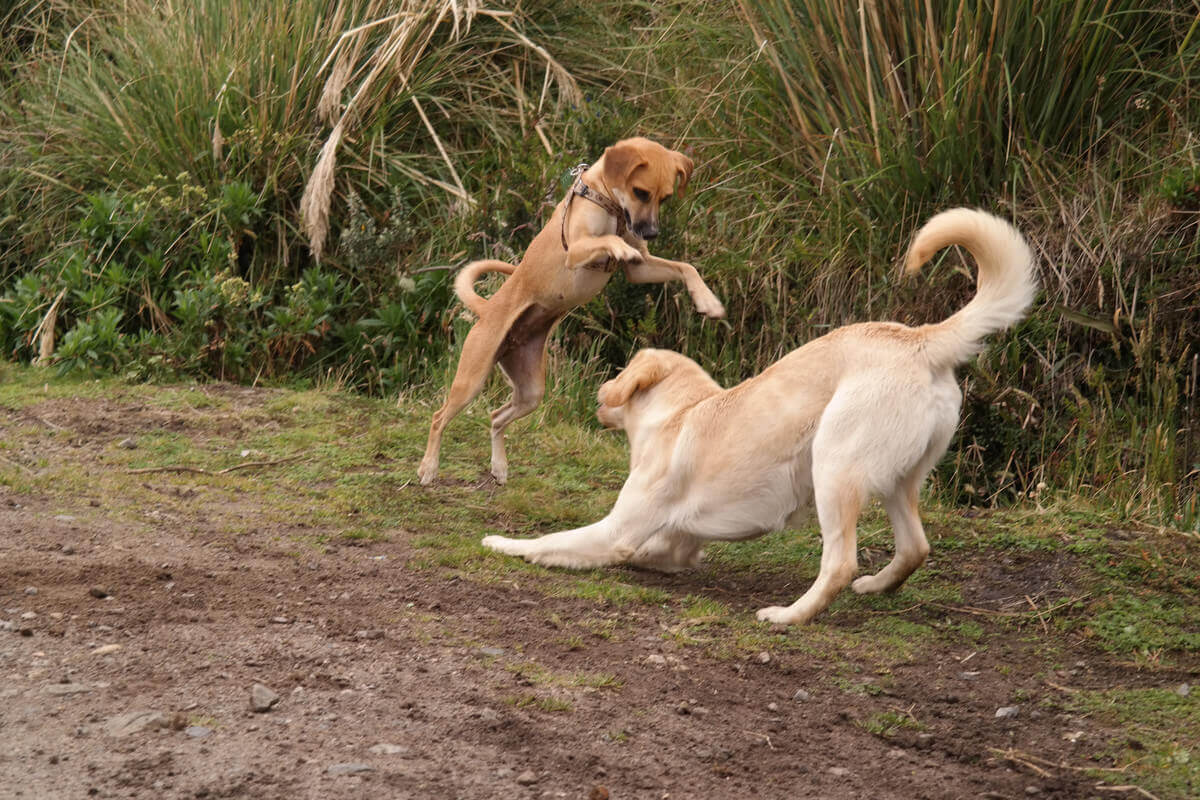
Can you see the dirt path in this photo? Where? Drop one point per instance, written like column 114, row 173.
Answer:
column 421, row 683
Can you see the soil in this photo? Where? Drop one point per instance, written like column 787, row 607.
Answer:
column 404, row 683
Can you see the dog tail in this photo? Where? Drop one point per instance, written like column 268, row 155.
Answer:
column 1005, row 288
column 464, row 282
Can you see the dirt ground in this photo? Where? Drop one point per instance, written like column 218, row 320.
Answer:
column 420, row 683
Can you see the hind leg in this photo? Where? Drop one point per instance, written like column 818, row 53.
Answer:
column 911, row 545
column 669, row 551
column 474, row 365
column 901, row 503
column 525, row 367
column 839, row 499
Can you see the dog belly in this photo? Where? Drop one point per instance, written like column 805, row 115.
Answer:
column 731, row 513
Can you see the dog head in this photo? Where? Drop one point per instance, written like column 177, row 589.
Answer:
column 643, row 371
column 654, row 382
column 641, row 175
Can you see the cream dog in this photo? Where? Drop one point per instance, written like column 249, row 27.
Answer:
column 602, row 223
column 867, row 409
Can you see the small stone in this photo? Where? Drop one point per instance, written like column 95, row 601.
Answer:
column 29, row 615
column 349, row 768
column 280, row 621
column 385, row 749
column 896, row 752
column 772, row 707
column 127, row 444
column 504, row 772
column 763, row 658
column 7, row 625
column 135, row 721
column 105, row 649
column 1033, row 790
column 63, row 689
column 924, row 741
column 968, row 676
column 491, row 652
column 31, row 590
column 654, row 659
column 801, row 696
column 599, row 792
column 1183, row 690
column 1007, row 712
column 197, row 731
column 527, row 778
column 374, row 633
column 98, row 593
column 68, row 550
column 262, row 699
column 699, row 711
column 840, row 772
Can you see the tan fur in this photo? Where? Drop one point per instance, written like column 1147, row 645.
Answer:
column 867, row 409
column 516, row 322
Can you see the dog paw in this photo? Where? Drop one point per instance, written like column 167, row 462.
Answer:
column 623, row 251
column 502, row 544
column 867, row 584
column 776, row 615
column 427, row 473
column 710, row 306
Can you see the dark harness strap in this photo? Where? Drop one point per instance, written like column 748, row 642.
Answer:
column 610, row 205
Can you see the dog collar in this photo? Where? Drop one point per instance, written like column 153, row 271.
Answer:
column 581, row 189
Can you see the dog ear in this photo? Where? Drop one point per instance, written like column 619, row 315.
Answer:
column 643, row 371
column 620, row 160
column 683, row 171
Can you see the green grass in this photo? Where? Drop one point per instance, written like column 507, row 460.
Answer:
column 886, row 724
column 1162, row 729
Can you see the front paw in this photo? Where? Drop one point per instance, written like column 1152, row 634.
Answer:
column 782, row 615
column 502, row 544
column 625, row 252
column 708, row 305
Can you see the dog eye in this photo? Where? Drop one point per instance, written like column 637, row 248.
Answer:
column 642, row 195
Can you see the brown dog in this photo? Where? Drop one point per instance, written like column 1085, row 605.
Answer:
column 602, row 223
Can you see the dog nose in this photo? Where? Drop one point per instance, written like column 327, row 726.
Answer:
column 647, row 232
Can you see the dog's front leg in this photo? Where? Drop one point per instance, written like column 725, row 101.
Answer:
column 588, row 249
column 581, row 548
column 652, row 269
column 610, row 541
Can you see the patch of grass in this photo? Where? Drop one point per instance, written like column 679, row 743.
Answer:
column 602, row 588
column 886, row 724
column 537, row 675
column 1160, row 732
column 1132, row 624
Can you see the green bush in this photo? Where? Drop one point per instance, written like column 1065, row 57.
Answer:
column 154, row 160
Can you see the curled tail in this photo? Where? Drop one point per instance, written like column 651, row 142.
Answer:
column 1005, row 287
column 464, row 282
